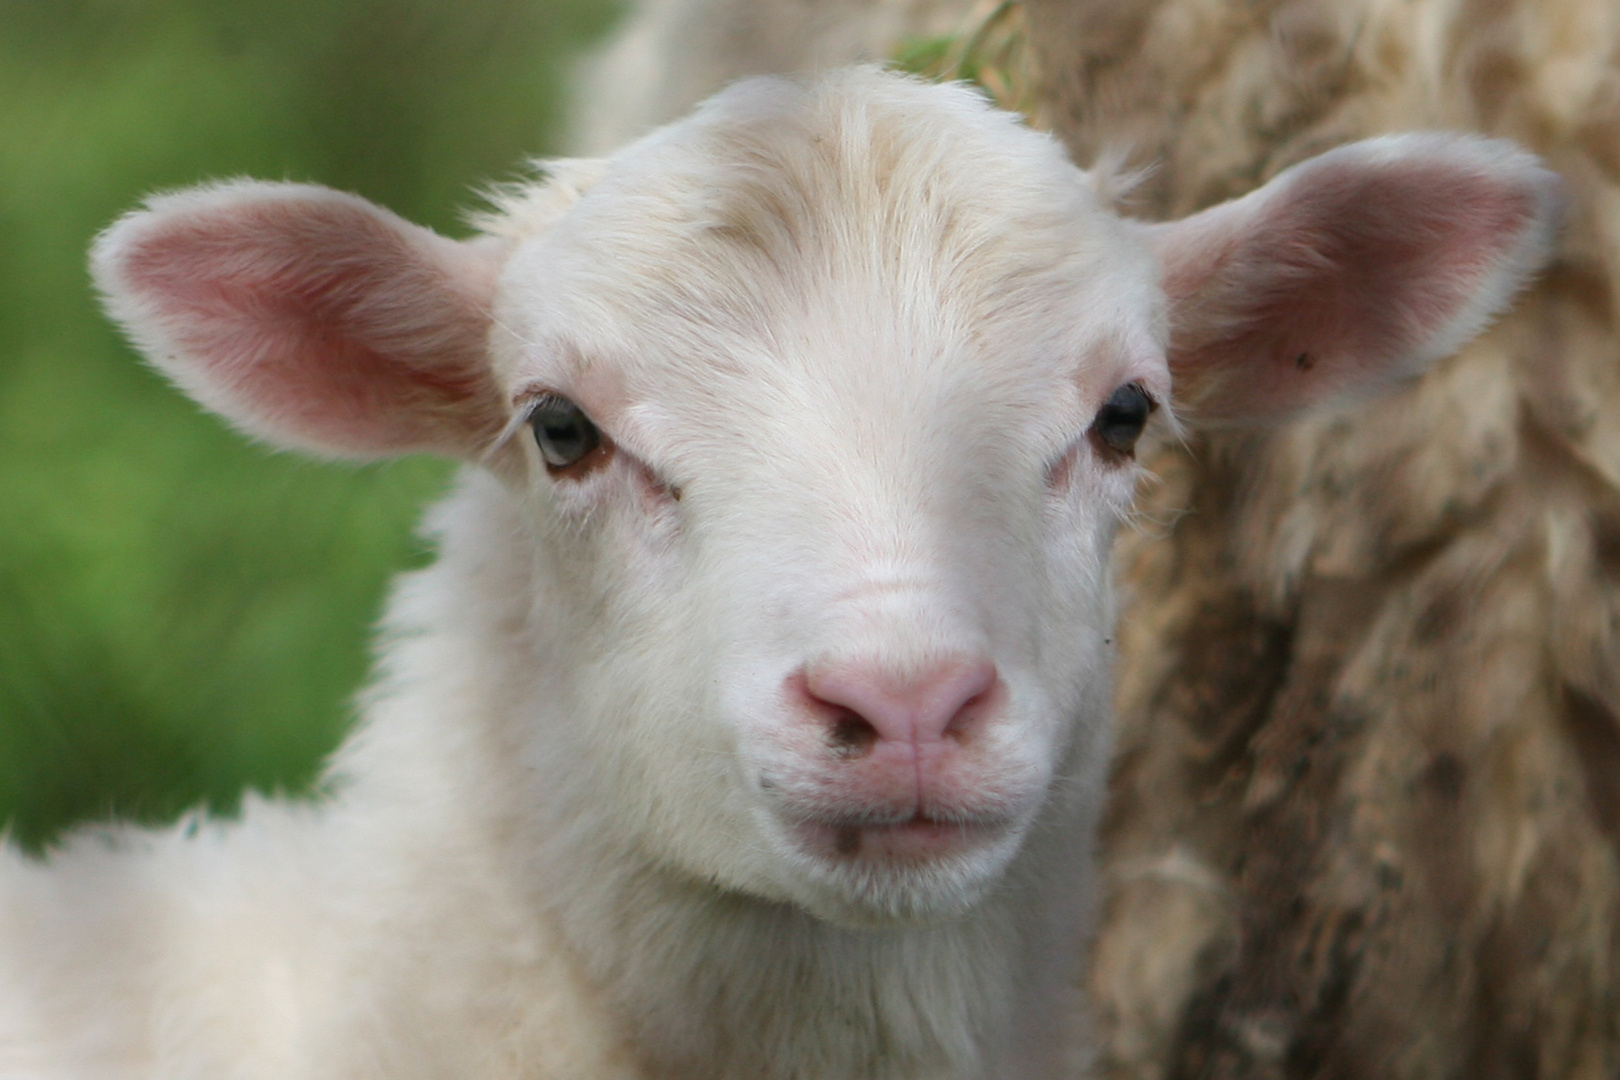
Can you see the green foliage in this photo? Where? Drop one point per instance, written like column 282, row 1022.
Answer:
column 931, row 57
column 183, row 614
column 991, row 50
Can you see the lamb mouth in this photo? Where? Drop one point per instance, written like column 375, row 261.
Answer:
column 917, row 839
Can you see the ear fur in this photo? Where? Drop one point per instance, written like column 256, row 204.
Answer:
column 311, row 318
column 1351, row 271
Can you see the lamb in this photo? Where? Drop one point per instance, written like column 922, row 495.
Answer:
column 754, row 719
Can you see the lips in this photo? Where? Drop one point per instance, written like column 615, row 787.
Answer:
column 918, row 839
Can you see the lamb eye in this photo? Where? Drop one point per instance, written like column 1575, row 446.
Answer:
column 1120, row 422
column 564, row 433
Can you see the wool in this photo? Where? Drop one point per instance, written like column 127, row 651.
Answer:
column 1363, row 811
column 671, row 54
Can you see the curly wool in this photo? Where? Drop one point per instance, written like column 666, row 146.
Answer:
column 1367, row 797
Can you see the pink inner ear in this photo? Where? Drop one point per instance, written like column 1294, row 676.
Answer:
column 1358, row 272
column 316, row 319
column 1374, row 266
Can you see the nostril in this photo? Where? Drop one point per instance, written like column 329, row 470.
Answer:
column 862, row 704
column 965, row 723
column 851, row 735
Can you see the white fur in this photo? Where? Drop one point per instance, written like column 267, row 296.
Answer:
column 861, row 326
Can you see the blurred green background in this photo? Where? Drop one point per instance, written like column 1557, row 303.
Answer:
column 182, row 614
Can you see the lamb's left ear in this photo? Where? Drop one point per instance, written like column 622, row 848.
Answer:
column 1349, row 272
column 311, row 318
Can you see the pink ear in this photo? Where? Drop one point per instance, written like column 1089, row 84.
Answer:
column 310, row 318
column 1351, row 271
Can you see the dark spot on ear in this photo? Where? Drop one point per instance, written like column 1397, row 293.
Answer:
column 848, row 841
column 1304, row 362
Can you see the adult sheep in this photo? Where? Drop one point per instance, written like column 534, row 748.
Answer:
column 1365, row 812
column 753, row 722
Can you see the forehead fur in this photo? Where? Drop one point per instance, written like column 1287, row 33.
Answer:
column 857, row 161
column 859, row 176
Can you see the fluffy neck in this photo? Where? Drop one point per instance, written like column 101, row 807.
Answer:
column 720, row 986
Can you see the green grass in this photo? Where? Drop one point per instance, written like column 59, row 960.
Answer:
column 182, row 614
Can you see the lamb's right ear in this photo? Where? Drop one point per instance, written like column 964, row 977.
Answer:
column 310, row 318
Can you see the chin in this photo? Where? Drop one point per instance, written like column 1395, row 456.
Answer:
column 917, row 871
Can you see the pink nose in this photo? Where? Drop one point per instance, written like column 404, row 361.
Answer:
column 875, row 704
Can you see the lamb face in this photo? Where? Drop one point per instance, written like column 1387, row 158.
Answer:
column 845, row 495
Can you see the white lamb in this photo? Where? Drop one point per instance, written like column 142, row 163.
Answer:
column 753, row 721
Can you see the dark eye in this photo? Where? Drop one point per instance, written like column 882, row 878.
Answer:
column 564, row 433
column 1120, row 422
